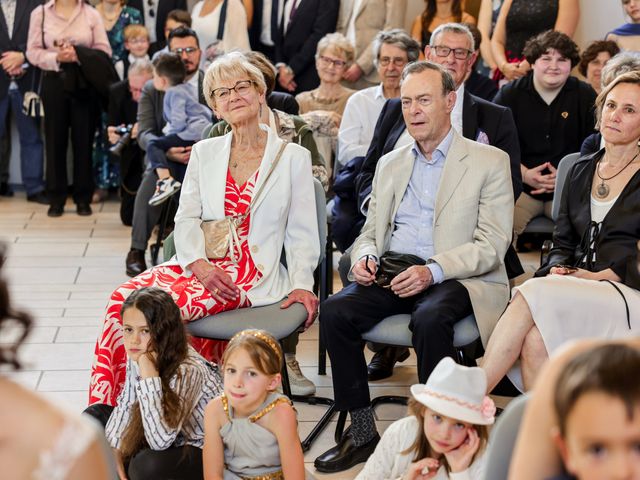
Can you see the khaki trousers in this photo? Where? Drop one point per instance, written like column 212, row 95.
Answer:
column 527, row 208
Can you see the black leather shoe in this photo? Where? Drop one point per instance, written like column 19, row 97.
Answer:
column 55, row 210
column 39, row 197
column 135, row 262
column 5, row 190
column 84, row 209
column 381, row 365
column 345, row 454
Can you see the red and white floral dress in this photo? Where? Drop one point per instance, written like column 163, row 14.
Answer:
column 193, row 299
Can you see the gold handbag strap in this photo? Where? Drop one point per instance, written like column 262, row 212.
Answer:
column 273, row 167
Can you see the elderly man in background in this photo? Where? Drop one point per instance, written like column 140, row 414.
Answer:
column 446, row 200
column 360, row 21
column 392, row 50
column 123, row 133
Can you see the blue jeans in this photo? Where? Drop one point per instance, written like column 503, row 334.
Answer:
column 31, row 146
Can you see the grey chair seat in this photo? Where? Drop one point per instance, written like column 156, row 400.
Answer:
column 394, row 330
column 277, row 321
column 502, row 439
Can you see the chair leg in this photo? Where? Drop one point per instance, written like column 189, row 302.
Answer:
column 322, row 357
column 325, row 289
column 164, row 219
column 311, row 400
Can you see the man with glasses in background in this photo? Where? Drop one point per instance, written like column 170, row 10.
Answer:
column 154, row 17
column 451, row 46
column 184, row 42
column 392, row 50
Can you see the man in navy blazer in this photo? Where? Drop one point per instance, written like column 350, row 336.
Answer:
column 156, row 10
column 474, row 118
column 301, row 24
column 16, row 78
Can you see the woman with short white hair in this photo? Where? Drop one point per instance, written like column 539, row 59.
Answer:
column 255, row 188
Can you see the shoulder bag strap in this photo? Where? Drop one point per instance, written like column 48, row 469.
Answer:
column 44, row 45
column 223, row 18
column 37, row 76
column 273, row 167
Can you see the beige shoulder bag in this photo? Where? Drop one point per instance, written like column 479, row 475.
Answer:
column 221, row 236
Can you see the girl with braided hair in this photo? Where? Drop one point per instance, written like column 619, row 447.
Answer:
column 251, row 431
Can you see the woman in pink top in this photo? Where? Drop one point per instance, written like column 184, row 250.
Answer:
column 59, row 32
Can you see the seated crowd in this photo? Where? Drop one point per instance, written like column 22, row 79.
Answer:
column 435, row 149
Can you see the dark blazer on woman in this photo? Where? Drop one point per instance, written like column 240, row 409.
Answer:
column 616, row 237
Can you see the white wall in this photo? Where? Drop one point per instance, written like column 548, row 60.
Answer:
column 597, row 18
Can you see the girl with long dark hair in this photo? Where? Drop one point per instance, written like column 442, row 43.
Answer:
column 156, row 429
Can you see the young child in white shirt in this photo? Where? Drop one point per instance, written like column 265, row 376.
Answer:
column 446, row 434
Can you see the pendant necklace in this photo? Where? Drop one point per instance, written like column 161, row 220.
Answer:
column 602, row 190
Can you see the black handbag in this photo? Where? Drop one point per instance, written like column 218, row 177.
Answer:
column 394, row 263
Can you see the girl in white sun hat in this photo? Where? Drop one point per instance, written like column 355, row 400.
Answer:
column 446, row 433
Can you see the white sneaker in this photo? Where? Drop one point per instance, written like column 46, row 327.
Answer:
column 164, row 189
column 300, row 385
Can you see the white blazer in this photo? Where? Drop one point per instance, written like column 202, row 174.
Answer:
column 283, row 216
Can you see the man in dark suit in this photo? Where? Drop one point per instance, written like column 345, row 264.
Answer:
column 451, row 46
column 300, row 26
column 154, row 16
column 16, row 78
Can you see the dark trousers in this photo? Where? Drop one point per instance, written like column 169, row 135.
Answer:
column 355, row 310
column 174, row 463
column 145, row 216
column 157, row 148
column 31, row 148
column 63, row 110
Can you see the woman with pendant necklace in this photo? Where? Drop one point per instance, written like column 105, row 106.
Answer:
column 589, row 286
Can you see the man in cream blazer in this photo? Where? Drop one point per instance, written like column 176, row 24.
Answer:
column 446, row 199
column 360, row 21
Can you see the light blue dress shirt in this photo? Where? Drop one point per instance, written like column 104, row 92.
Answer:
column 413, row 225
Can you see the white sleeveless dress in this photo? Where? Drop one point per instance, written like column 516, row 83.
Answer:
column 567, row 308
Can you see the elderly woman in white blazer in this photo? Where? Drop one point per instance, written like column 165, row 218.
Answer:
column 223, row 176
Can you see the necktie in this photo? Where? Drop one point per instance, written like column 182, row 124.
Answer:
column 274, row 19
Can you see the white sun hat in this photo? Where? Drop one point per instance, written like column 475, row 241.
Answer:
column 458, row 392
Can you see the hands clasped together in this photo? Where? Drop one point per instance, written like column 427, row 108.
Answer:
column 541, row 182
column 223, row 290
column 410, row 282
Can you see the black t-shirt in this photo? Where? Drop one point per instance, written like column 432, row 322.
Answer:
column 549, row 132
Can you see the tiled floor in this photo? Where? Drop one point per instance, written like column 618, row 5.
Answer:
column 63, row 270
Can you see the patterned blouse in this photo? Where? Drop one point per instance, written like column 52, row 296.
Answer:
column 128, row 16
